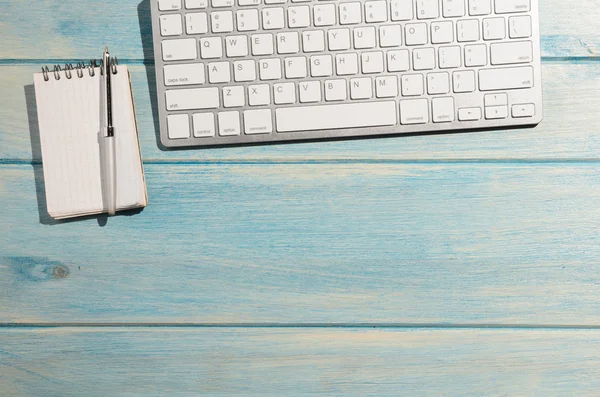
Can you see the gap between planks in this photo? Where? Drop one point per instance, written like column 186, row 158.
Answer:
column 366, row 161
column 473, row 326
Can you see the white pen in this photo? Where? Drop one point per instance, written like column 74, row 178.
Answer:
column 109, row 150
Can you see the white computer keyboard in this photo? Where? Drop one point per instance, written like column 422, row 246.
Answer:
column 246, row 71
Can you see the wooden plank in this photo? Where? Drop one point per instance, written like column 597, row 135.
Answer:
column 569, row 130
column 303, row 243
column 297, row 362
column 78, row 29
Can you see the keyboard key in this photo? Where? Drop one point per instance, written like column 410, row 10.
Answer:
column 350, row 13
column 424, row 59
column 449, row 57
column 310, row 91
column 221, row 21
column 498, row 99
column 469, row 114
column 464, row 81
column 512, row 52
column 427, row 9
column 475, row 55
column 506, row 78
column 321, row 66
column 248, row 2
column 229, row 123
column 414, row 111
column 438, row 83
column 376, row 11
column 519, row 27
column 509, row 6
column 364, row 37
column 372, row 62
column 467, row 30
column 416, row 34
column 386, row 87
column 480, row 7
column 222, row 3
column 339, row 39
column 179, row 50
column 259, row 94
column 324, row 14
column 284, row 93
column 313, row 41
column 346, row 64
column 494, row 29
column 210, row 47
column 170, row 25
column 335, row 90
column 325, row 117
column 273, row 18
column 247, row 20
column 269, row 69
column 398, row 60
column 412, row 85
column 187, row 74
column 196, row 23
column 299, row 17
column 203, row 125
column 524, row 110
column 401, row 10
column 442, row 32
column 443, row 109
column 262, row 44
column 453, row 8
column 169, row 5
column 496, row 112
column 233, row 96
column 258, row 121
column 194, row 98
column 195, row 4
column 390, row 36
column 361, row 88
column 236, row 46
column 288, row 43
column 178, row 126
column 295, row 67
column 244, row 70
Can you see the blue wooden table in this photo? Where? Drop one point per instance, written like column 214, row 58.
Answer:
column 461, row 264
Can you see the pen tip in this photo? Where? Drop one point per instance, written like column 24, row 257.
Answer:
column 106, row 49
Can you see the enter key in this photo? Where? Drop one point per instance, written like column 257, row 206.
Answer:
column 511, row 53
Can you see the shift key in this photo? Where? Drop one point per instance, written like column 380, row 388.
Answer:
column 505, row 78
column 194, row 98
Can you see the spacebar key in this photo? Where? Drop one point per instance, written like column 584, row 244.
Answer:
column 330, row 117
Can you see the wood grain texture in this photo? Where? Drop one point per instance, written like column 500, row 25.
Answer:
column 297, row 362
column 305, row 243
column 77, row 29
column 485, row 229
column 560, row 136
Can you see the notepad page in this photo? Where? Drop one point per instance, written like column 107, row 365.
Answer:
column 70, row 118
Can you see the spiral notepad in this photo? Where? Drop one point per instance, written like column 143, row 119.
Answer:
column 70, row 110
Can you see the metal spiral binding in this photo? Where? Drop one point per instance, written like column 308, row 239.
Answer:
column 79, row 69
column 57, row 72
column 45, row 72
column 68, row 69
